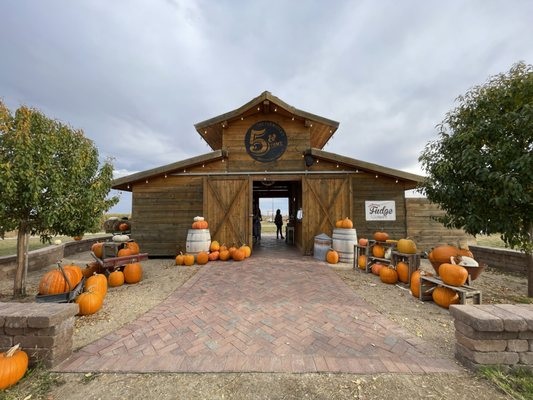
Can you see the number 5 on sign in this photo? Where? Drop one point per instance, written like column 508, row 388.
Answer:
column 258, row 145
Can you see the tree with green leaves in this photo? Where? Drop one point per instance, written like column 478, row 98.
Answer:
column 51, row 182
column 480, row 169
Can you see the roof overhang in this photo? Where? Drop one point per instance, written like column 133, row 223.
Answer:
column 410, row 180
column 126, row 182
column 321, row 128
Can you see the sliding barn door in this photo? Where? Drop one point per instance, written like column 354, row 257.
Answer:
column 226, row 209
column 325, row 200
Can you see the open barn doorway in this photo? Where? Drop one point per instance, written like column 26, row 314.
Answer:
column 270, row 195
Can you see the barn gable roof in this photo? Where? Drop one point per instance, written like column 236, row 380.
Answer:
column 410, row 180
column 321, row 128
column 125, row 182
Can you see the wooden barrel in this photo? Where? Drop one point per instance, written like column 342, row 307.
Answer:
column 321, row 246
column 197, row 240
column 343, row 242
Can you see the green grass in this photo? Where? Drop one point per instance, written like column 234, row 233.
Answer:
column 8, row 247
column 490, row 241
column 517, row 383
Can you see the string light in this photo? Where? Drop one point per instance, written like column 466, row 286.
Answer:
column 147, row 181
column 275, row 109
column 337, row 165
column 396, row 180
column 376, row 177
column 165, row 176
column 203, row 165
column 128, row 186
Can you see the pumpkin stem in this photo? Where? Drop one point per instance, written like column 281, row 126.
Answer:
column 12, row 350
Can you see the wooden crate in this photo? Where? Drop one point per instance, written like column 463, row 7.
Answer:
column 467, row 294
column 412, row 260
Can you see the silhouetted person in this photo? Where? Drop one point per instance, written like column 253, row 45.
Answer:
column 278, row 220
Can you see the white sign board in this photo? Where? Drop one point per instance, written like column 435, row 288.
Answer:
column 380, row 210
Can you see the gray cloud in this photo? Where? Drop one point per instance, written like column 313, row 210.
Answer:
column 136, row 75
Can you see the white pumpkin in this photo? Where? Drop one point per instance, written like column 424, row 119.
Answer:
column 388, row 253
column 196, row 219
column 121, row 238
column 464, row 261
column 57, row 242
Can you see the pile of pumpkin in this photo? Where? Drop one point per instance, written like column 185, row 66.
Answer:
column 441, row 258
column 216, row 252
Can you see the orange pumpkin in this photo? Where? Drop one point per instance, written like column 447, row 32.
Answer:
column 363, row 242
column 92, row 268
column 224, row 255
column 452, row 274
column 202, row 258
column 115, row 278
column 332, row 257
column 223, row 248
column 239, row 254
column 214, row 246
column 98, row 249
column 180, row 259
column 213, row 256
column 133, row 273
column 415, row 283
column 188, row 259
column 361, row 261
column 406, row 246
column 13, row 366
column 376, row 268
column 77, row 237
column 445, row 297
column 381, row 236
column 77, row 274
column 345, row 223
column 133, row 246
column 378, row 251
column 89, row 302
column 403, row 271
column 388, row 275
column 200, row 225
column 231, row 251
column 124, row 226
column 53, row 282
column 247, row 250
column 97, row 283
column 124, row 252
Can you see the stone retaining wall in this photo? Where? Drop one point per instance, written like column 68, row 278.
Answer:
column 44, row 330
column 46, row 256
column 500, row 334
column 502, row 259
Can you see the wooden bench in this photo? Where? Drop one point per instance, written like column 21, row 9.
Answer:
column 467, row 294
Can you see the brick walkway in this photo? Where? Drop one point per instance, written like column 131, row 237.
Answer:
column 288, row 314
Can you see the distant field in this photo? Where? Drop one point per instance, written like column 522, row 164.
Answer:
column 490, row 241
column 8, row 247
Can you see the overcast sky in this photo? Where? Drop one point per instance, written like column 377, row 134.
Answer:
column 136, row 75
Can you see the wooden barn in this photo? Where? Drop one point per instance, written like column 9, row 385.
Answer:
column 265, row 149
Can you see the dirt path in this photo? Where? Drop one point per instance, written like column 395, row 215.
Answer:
column 161, row 277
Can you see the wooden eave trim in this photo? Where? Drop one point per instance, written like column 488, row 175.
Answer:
column 410, row 180
column 123, row 182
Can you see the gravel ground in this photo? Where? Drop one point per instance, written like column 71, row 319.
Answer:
column 161, row 277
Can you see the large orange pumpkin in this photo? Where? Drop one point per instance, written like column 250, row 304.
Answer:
column 188, row 259
column 378, row 251
column 445, row 297
column 332, row 257
column 376, row 268
column 214, row 246
column 89, row 302
column 115, row 278
column 124, row 252
column 53, row 282
column 133, row 246
column 388, row 275
column 133, row 273
column 452, row 274
column 97, row 283
column 381, row 236
column 98, row 249
column 202, row 258
column 77, row 274
column 415, row 283
column 13, row 366
column 361, row 261
column 247, row 250
column 345, row 223
column 403, row 271
column 238, row 254
column 224, row 255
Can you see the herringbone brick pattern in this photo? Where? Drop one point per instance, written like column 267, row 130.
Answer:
column 289, row 314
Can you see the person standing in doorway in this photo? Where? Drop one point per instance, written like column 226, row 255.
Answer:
column 278, row 220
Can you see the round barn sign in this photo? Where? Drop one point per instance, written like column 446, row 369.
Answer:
column 265, row 141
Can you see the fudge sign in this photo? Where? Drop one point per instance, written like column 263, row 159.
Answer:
column 265, row 141
column 384, row 210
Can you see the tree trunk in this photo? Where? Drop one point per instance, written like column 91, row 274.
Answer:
column 19, row 289
column 530, row 265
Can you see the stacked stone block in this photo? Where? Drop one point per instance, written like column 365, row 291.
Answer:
column 500, row 334
column 44, row 330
